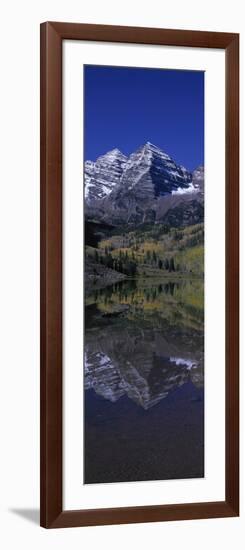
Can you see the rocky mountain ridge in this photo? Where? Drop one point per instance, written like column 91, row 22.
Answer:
column 142, row 188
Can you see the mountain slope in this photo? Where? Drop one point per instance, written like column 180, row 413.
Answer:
column 103, row 175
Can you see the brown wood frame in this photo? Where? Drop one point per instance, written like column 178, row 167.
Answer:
column 52, row 35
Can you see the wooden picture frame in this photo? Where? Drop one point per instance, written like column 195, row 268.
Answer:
column 52, row 35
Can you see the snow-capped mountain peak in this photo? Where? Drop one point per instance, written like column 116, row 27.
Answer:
column 152, row 149
column 114, row 154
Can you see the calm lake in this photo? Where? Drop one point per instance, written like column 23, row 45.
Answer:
column 144, row 381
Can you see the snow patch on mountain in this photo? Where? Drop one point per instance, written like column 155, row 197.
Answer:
column 184, row 190
column 179, row 361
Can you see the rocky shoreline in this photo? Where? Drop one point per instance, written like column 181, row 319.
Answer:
column 99, row 276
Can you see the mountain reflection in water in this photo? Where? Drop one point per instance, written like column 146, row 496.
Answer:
column 144, row 352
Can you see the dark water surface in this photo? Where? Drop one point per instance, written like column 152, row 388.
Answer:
column 144, row 381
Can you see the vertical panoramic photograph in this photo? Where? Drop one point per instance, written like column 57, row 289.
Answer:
column 143, row 364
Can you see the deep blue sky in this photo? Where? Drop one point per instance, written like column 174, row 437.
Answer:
column 125, row 107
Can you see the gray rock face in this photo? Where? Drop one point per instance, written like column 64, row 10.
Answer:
column 181, row 210
column 133, row 190
column 103, row 175
column 198, row 178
